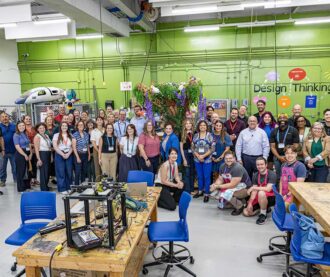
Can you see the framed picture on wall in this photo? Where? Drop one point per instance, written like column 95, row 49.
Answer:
column 221, row 107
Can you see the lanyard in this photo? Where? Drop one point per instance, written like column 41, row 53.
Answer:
column 47, row 140
column 231, row 126
column 131, row 148
column 265, row 180
column 278, row 135
column 84, row 140
column 65, row 141
column 112, row 144
column 120, row 129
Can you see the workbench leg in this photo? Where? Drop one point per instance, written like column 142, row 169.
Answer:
column 154, row 214
column 32, row 271
column 117, row 274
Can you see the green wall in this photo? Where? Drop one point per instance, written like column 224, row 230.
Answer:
column 229, row 62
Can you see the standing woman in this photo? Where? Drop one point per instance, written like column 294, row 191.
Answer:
column 203, row 146
column 90, row 126
column 222, row 145
column 96, row 134
column 187, row 155
column 50, row 130
column 300, row 124
column 111, row 118
column 128, row 159
column 62, row 143
column 43, row 147
column 170, row 140
column 102, row 114
column 108, row 154
column 149, row 147
column 80, row 145
column 31, row 132
column 268, row 124
column 22, row 157
column 316, row 150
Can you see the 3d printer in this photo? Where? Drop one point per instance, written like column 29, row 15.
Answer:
column 106, row 225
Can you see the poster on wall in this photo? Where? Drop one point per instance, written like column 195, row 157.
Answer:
column 125, row 86
column 221, row 107
column 310, row 102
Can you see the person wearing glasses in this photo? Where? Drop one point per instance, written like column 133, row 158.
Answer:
column 300, row 124
column 316, row 151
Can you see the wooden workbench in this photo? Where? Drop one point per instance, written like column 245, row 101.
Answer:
column 101, row 259
column 315, row 197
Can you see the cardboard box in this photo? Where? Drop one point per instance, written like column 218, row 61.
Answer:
column 77, row 273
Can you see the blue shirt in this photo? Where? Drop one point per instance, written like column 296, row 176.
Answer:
column 82, row 142
column 120, row 128
column 8, row 134
column 139, row 124
column 22, row 140
column 220, row 146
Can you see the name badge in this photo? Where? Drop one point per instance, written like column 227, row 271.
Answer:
column 129, row 155
column 281, row 145
column 189, row 151
column 201, row 149
column 110, row 148
column 27, row 148
column 84, row 149
column 214, row 154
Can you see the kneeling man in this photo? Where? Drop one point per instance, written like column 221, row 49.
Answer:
column 261, row 192
column 232, row 184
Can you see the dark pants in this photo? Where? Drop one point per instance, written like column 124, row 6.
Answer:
column 33, row 172
column 91, row 169
column 3, row 169
column 63, row 170
column 318, row 174
column 80, row 169
column 23, row 181
column 153, row 167
column 249, row 163
column 166, row 200
column 189, row 172
column 278, row 169
column 45, row 157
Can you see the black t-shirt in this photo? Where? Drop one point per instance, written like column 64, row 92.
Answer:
column 271, row 178
column 277, row 136
column 187, row 144
column 326, row 128
column 109, row 144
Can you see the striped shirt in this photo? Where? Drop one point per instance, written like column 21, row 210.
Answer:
column 82, row 142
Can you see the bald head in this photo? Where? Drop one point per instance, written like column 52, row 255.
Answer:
column 296, row 110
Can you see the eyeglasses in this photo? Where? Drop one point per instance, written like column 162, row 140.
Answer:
column 317, row 128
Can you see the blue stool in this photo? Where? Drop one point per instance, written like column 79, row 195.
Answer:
column 284, row 223
column 34, row 205
column 137, row 176
column 296, row 248
column 171, row 231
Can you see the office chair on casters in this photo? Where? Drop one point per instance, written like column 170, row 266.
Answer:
column 284, row 223
column 34, row 205
column 136, row 176
column 295, row 247
column 171, row 231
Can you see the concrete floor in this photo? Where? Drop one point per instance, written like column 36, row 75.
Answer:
column 223, row 245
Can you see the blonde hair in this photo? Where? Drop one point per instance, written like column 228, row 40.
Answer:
column 316, row 124
column 184, row 131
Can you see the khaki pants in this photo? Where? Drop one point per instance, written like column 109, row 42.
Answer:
column 109, row 164
column 237, row 197
column 97, row 166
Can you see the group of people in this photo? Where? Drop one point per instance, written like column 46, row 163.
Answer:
column 236, row 161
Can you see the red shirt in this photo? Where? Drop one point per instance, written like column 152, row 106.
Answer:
column 31, row 132
column 151, row 145
column 58, row 118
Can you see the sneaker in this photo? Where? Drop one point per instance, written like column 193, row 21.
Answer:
column 198, row 194
column 64, row 192
column 2, row 184
column 206, row 199
column 261, row 219
column 237, row 211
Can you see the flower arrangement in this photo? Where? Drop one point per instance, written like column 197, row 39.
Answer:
column 171, row 100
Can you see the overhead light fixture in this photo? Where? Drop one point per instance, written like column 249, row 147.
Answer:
column 51, row 21
column 89, row 36
column 270, row 4
column 194, row 10
column 202, row 28
column 312, row 21
column 8, row 25
column 255, row 24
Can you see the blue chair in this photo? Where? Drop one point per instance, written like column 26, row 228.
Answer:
column 284, row 223
column 34, row 205
column 137, row 176
column 296, row 250
column 171, row 231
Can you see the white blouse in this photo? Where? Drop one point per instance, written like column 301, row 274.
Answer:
column 65, row 145
column 96, row 134
column 129, row 147
column 45, row 143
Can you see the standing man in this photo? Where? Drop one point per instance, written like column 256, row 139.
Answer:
column 121, row 124
column 252, row 143
column 61, row 113
column 296, row 112
column 214, row 119
column 8, row 130
column 261, row 106
column 234, row 127
column 279, row 138
column 242, row 114
column 326, row 122
column 138, row 120
column 209, row 112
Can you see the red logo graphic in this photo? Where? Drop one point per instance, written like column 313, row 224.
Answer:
column 297, row 74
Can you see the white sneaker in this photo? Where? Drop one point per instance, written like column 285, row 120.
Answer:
column 64, row 192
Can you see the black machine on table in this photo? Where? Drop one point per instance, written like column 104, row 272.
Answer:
column 110, row 196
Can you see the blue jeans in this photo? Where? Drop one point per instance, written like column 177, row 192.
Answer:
column 204, row 171
column 189, row 172
column 63, row 170
column 3, row 166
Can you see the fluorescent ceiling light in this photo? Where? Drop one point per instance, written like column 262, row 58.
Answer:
column 8, row 25
column 196, row 9
column 89, row 36
column 270, row 4
column 51, row 21
column 201, row 28
column 255, row 24
column 312, row 21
